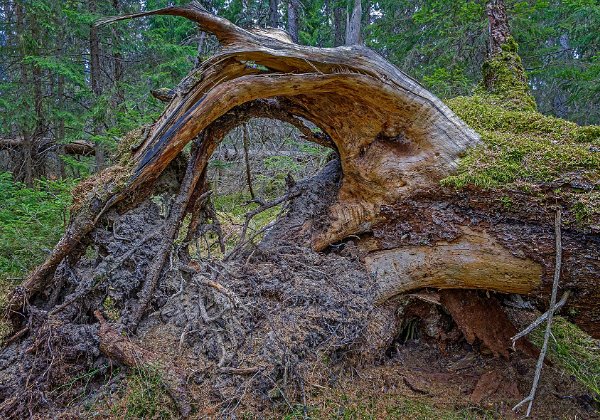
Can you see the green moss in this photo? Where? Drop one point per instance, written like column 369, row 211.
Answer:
column 389, row 407
column 523, row 148
column 128, row 143
column 145, row 397
column 504, row 77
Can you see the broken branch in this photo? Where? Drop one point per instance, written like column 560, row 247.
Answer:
column 540, row 363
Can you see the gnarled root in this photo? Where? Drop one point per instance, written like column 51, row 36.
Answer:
column 123, row 350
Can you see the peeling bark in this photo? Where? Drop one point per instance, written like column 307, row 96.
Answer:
column 393, row 136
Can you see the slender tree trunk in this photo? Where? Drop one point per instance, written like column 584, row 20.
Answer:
column 498, row 26
column 118, row 70
column 26, row 173
column 273, row 13
column 353, row 25
column 366, row 15
column 38, row 106
column 95, row 83
column 60, row 127
column 202, row 40
column 293, row 9
column 339, row 25
column 246, row 142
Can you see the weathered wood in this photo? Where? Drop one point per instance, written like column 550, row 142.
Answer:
column 447, row 239
column 474, row 261
column 76, row 148
column 393, row 136
column 395, row 140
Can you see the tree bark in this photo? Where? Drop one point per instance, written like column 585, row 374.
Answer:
column 353, row 36
column 395, row 142
column 499, row 30
column 95, row 84
column 339, row 25
column 273, row 13
column 75, row 148
column 246, row 144
column 293, row 18
column 117, row 58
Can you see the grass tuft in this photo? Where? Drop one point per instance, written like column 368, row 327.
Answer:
column 575, row 352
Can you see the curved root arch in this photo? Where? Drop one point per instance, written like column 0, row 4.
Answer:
column 392, row 135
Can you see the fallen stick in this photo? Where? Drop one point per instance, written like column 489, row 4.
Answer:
column 540, row 363
column 120, row 348
column 541, row 319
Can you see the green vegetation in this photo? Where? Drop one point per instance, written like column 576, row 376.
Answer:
column 31, row 222
column 504, row 77
column 443, row 44
column 144, row 396
column 344, row 407
column 575, row 352
column 522, row 148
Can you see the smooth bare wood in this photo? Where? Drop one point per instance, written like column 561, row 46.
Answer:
column 474, row 261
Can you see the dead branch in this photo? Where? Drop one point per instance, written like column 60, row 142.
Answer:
column 76, row 147
column 263, row 207
column 239, row 371
column 541, row 318
column 188, row 185
column 540, row 363
column 123, row 350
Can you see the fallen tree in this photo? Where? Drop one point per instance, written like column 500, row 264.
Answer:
column 77, row 148
column 381, row 205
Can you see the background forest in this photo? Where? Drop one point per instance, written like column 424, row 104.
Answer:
column 61, row 81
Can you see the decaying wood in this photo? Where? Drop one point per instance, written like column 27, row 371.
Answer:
column 448, row 239
column 123, row 350
column 482, row 318
column 178, row 211
column 392, row 135
column 394, row 140
column 76, row 148
column 474, row 261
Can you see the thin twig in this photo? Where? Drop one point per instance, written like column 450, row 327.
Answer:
column 245, row 140
column 243, row 241
column 541, row 319
column 540, row 363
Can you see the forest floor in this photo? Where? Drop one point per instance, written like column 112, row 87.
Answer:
column 297, row 294
column 416, row 379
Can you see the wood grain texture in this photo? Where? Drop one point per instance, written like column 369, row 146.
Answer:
column 392, row 135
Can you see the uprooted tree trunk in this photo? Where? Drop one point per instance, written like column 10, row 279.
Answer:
column 395, row 142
